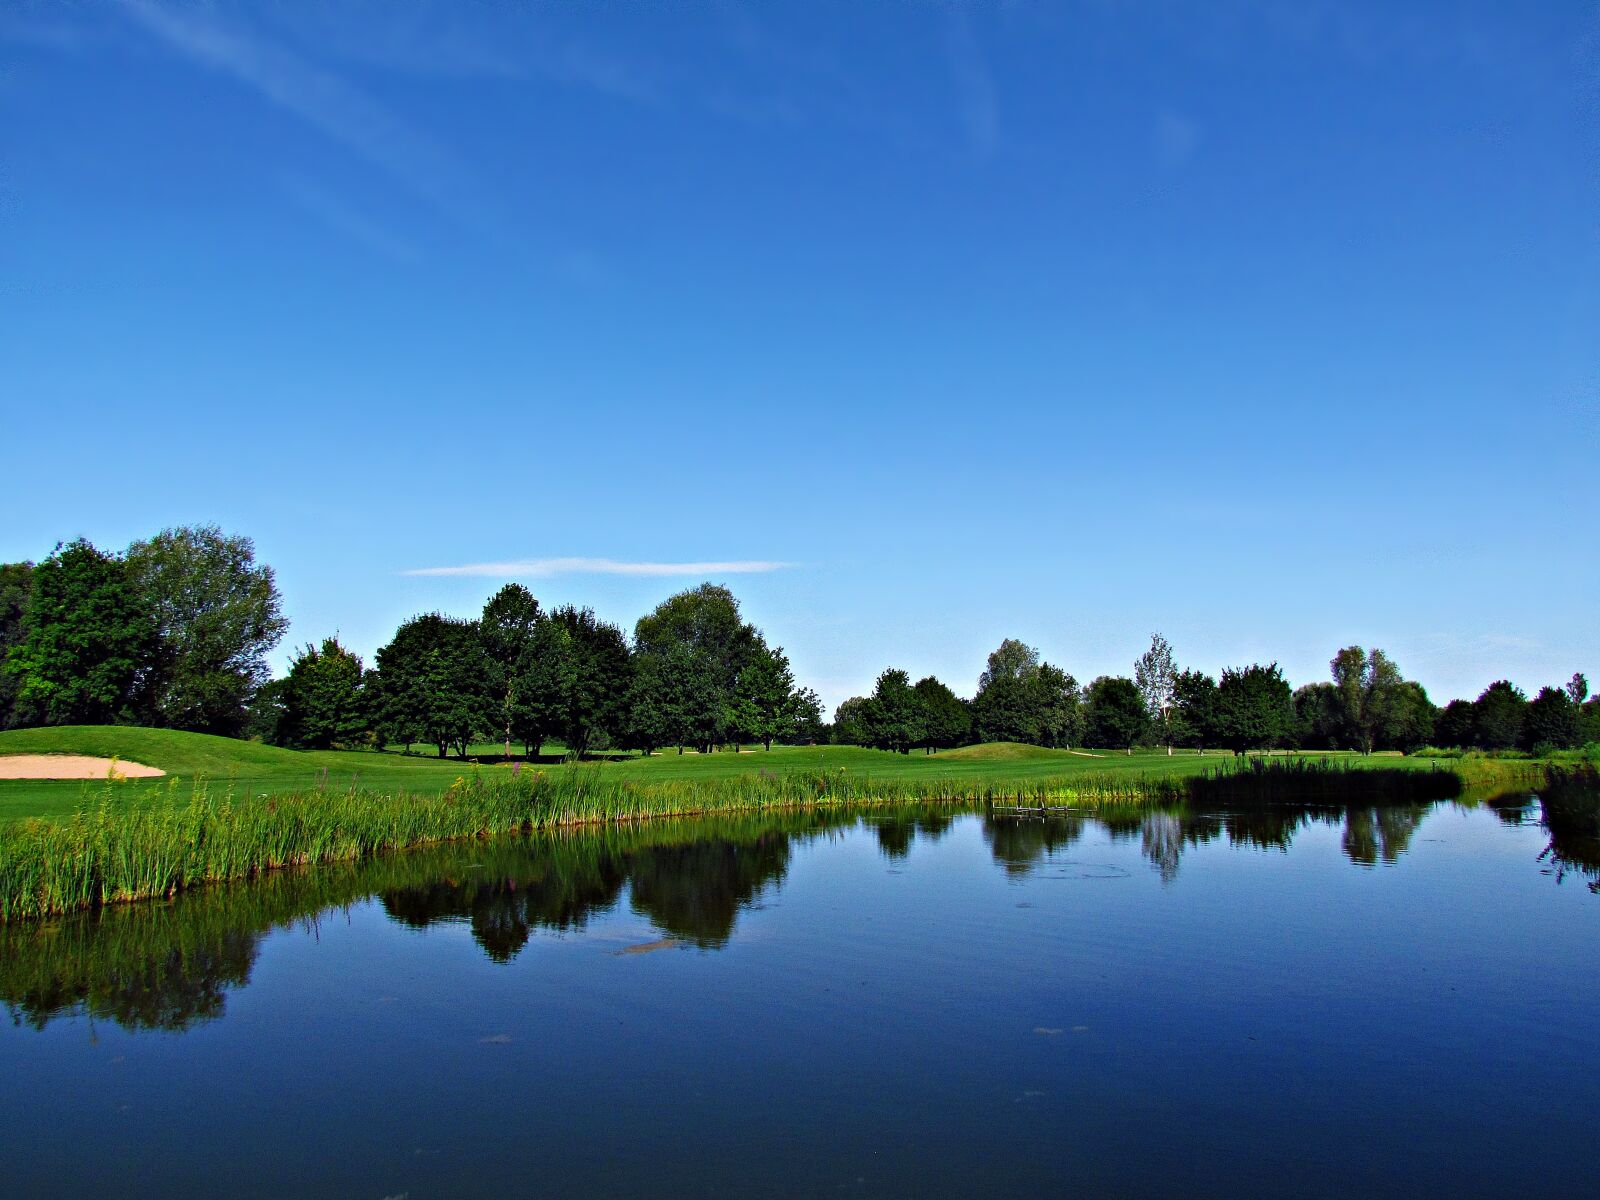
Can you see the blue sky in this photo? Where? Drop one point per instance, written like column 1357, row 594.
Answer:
column 1272, row 327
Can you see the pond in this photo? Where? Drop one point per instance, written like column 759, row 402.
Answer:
column 918, row 1003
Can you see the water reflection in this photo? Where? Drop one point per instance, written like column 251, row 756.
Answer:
column 897, row 833
column 1569, row 806
column 167, row 967
column 1371, row 835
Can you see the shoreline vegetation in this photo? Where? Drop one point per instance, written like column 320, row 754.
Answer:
column 108, row 853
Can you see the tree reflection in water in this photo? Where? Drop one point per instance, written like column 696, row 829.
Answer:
column 1020, row 843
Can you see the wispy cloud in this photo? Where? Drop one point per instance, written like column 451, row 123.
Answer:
column 538, row 568
column 317, row 96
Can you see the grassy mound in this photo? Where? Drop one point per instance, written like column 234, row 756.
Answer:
column 174, row 752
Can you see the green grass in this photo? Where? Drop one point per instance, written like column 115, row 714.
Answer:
column 251, row 770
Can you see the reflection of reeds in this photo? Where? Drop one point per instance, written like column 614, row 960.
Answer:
column 109, row 853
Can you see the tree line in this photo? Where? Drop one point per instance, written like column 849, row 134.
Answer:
column 1365, row 705
column 695, row 675
column 175, row 631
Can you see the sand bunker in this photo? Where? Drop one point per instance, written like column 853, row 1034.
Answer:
column 70, row 766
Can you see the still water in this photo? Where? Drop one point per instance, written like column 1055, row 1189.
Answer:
column 923, row 1004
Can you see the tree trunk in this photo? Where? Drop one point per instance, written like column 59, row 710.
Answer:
column 443, row 746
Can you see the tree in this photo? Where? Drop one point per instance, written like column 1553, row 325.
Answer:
column 1367, row 683
column 1156, row 676
column 602, row 673
column 946, row 721
column 705, row 621
column 1550, row 722
column 432, row 683
column 1005, row 708
column 508, row 626
column 850, row 722
column 1589, row 721
column 1319, row 717
column 662, row 699
column 1057, row 707
column 264, row 715
column 216, row 613
column 1253, row 709
column 1497, row 716
column 1194, row 709
column 85, row 638
column 16, row 581
column 1114, row 713
column 806, row 726
column 1455, row 727
column 767, row 701
column 895, row 718
column 1412, row 718
column 548, row 671
column 323, row 698
column 1577, row 688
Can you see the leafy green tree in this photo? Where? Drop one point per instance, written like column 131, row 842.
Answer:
column 1155, row 674
column 432, row 683
column 706, row 621
column 766, row 694
column 602, row 674
column 508, row 626
column 1550, row 722
column 1057, row 707
column 264, row 715
column 1194, row 710
column 1412, row 718
column 1319, row 717
column 806, row 725
column 946, row 721
column 1589, row 721
column 1497, row 716
column 16, row 582
column 850, row 722
column 1114, row 713
column 548, row 675
column 1253, row 709
column 217, row 614
column 1005, row 708
column 1367, row 683
column 895, row 717
column 1456, row 726
column 324, row 700
column 669, row 700
column 84, row 641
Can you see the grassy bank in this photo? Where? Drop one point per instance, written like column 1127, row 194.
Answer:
column 255, row 771
column 109, row 852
